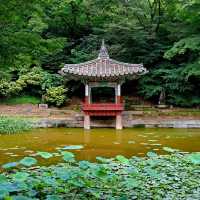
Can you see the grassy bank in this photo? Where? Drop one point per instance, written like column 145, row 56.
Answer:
column 10, row 125
column 175, row 176
column 26, row 99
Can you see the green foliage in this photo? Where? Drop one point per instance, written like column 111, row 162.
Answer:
column 26, row 99
column 9, row 165
column 174, row 176
column 28, row 161
column 36, row 81
column 55, row 96
column 170, row 150
column 45, row 155
column 10, row 125
column 180, row 47
column 194, row 158
column 72, row 147
column 68, row 156
column 31, row 78
column 122, row 159
column 162, row 34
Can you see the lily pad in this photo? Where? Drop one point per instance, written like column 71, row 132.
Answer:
column 151, row 154
column 28, row 161
column 122, row 159
column 170, row 150
column 3, row 178
column 45, row 155
column 103, row 160
column 72, row 147
column 20, row 176
column 10, row 165
column 194, row 158
column 68, row 156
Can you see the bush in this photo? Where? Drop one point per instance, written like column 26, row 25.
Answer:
column 55, row 96
column 10, row 125
column 36, row 82
column 10, row 88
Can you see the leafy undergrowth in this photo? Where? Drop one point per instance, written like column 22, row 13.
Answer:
column 26, row 99
column 10, row 125
column 175, row 176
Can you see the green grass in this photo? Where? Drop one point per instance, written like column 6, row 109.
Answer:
column 10, row 125
column 26, row 99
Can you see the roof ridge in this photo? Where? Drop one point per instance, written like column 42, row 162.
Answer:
column 103, row 53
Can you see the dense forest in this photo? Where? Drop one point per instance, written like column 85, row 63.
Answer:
column 38, row 36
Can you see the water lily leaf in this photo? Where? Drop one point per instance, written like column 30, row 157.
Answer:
column 20, row 197
column 3, row 193
column 45, row 155
column 28, row 161
column 68, row 156
column 170, row 150
column 153, row 173
column 103, row 160
column 20, row 176
column 124, row 197
column 3, row 178
column 131, row 183
column 194, row 158
column 72, row 147
column 122, row 159
column 152, row 154
column 53, row 197
column 10, row 165
column 10, row 187
column 84, row 164
column 132, row 171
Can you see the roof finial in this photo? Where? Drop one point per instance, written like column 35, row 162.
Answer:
column 103, row 53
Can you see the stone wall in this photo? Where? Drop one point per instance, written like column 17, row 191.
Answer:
column 133, row 119
column 140, row 117
column 130, row 119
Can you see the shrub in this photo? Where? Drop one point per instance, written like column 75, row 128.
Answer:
column 55, row 96
column 36, row 82
column 8, row 89
column 10, row 125
column 4, row 88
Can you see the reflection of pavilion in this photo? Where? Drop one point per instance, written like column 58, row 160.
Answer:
column 105, row 149
column 103, row 72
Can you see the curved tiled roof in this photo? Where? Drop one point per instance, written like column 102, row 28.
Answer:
column 103, row 68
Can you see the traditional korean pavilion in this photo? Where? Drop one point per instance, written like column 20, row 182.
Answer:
column 103, row 72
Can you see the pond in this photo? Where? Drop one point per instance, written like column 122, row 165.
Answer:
column 97, row 142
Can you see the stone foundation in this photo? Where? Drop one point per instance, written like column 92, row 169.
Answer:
column 129, row 120
column 54, row 117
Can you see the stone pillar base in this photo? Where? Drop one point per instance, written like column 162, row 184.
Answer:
column 119, row 122
column 86, row 122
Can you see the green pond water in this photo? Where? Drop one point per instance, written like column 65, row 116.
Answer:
column 97, row 142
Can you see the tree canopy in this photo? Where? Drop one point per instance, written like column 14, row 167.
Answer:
column 38, row 37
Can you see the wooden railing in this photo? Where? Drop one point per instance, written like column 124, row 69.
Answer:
column 103, row 107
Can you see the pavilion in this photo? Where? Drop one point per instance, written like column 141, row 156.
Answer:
column 103, row 72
